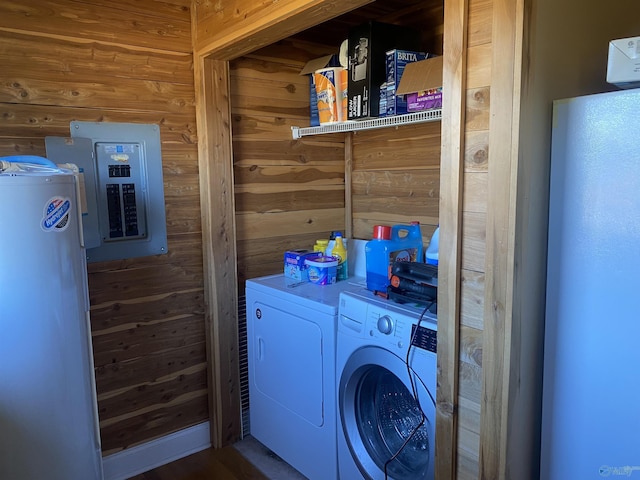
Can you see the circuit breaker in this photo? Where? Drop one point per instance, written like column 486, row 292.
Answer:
column 121, row 188
column 122, row 169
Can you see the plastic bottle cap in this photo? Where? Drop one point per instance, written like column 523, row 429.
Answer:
column 382, row 232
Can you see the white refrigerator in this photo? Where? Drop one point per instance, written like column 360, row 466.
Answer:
column 48, row 413
column 591, row 393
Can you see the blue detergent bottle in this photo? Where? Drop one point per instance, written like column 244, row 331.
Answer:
column 406, row 243
column 377, row 258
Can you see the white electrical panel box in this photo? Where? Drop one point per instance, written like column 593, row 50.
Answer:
column 122, row 168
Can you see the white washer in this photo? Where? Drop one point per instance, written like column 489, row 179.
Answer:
column 291, row 333
column 380, row 403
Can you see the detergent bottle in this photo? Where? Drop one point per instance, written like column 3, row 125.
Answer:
column 331, row 243
column 321, row 246
column 377, row 252
column 431, row 256
column 340, row 252
column 407, row 243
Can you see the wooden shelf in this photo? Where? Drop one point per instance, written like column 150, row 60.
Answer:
column 381, row 122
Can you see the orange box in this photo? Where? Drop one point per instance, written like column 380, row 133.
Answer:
column 331, row 85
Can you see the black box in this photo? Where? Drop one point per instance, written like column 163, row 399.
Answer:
column 368, row 45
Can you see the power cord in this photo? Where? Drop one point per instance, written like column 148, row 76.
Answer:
column 414, row 392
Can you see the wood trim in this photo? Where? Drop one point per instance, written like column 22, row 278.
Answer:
column 348, row 170
column 215, row 161
column 451, row 188
column 245, row 26
column 498, row 366
column 215, row 142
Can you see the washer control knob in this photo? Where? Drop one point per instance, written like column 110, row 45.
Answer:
column 385, row 324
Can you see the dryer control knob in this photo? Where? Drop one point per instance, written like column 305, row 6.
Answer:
column 385, row 324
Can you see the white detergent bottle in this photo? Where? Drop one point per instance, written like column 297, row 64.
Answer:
column 431, row 255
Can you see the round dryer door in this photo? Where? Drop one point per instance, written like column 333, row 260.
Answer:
column 388, row 417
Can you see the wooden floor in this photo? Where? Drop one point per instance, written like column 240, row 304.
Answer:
column 220, row 464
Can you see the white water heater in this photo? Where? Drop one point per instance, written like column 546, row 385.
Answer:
column 48, row 410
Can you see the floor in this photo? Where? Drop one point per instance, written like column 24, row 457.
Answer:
column 266, row 461
column 245, row 460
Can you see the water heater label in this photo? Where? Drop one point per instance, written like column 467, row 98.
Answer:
column 56, row 214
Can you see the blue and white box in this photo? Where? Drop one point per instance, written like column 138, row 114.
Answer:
column 396, row 61
column 295, row 263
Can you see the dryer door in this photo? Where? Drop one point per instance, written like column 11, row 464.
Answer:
column 388, row 416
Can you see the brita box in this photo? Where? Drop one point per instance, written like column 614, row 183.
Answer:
column 396, row 60
column 367, row 47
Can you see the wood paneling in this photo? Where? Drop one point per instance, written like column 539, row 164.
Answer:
column 396, row 178
column 145, row 25
column 288, row 192
column 219, row 248
column 500, row 234
column 455, row 80
column 116, row 61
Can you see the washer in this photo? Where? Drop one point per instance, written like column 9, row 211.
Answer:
column 378, row 410
column 291, row 333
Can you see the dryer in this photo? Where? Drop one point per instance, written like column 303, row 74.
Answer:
column 386, row 373
column 291, row 334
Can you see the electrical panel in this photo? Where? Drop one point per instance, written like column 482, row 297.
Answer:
column 122, row 171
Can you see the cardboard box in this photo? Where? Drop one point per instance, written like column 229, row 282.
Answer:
column 396, row 61
column 294, row 263
column 623, row 65
column 422, row 84
column 331, row 92
column 310, row 67
column 367, row 47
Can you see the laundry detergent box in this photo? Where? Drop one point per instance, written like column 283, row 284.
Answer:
column 295, row 263
column 395, row 63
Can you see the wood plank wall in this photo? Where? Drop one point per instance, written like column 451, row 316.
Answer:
column 396, row 178
column 288, row 192
column 122, row 61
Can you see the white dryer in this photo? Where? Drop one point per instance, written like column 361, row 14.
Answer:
column 386, row 371
column 291, row 335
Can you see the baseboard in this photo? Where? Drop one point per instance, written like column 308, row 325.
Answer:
column 158, row 452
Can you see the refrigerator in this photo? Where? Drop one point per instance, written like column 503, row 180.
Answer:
column 48, row 413
column 591, row 386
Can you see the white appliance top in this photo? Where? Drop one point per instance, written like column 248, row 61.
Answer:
column 351, row 301
column 323, row 298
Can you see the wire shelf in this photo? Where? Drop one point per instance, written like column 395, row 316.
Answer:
column 381, row 122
